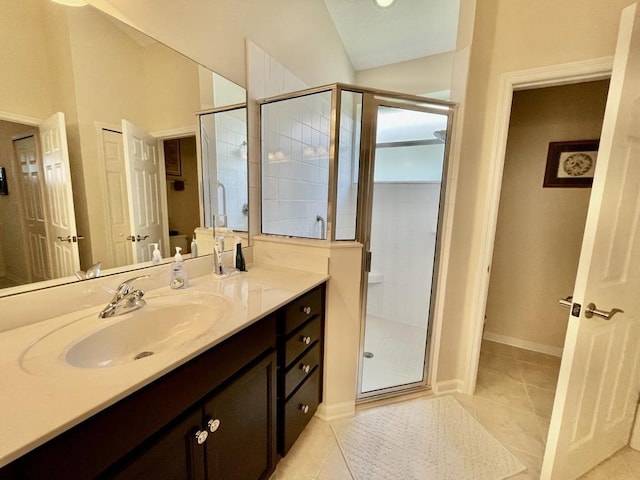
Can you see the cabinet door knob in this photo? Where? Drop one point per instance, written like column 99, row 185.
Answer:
column 306, row 310
column 304, row 408
column 305, row 368
column 213, row 424
column 305, row 339
column 201, row 436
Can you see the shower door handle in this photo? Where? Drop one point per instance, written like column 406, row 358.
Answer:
column 566, row 302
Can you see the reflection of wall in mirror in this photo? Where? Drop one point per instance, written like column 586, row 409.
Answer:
column 183, row 205
column 14, row 255
column 78, row 61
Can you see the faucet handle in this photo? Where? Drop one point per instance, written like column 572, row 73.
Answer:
column 125, row 287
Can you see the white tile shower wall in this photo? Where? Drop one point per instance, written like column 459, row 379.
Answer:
column 231, row 132
column 266, row 77
column 405, row 218
column 295, row 165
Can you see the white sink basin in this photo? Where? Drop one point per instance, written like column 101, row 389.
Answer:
column 165, row 324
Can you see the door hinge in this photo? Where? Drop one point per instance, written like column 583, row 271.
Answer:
column 367, row 261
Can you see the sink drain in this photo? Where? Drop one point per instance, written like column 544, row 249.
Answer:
column 367, row 355
column 142, row 355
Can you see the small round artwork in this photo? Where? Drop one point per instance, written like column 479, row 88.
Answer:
column 577, row 164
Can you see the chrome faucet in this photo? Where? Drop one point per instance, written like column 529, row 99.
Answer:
column 126, row 299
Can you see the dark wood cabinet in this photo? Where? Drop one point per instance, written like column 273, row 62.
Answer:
column 227, row 414
column 300, row 360
column 230, row 435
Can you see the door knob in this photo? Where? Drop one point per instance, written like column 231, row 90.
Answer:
column 213, row 425
column 566, row 302
column 201, row 436
column 591, row 310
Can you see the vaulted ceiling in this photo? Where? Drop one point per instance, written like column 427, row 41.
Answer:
column 408, row 29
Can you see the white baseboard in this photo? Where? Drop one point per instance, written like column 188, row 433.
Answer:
column 516, row 342
column 328, row 413
column 448, row 386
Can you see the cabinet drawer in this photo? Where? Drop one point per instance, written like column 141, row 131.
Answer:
column 300, row 369
column 302, row 309
column 302, row 339
column 300, row 409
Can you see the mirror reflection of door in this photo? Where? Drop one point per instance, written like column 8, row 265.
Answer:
column 32, row 212
column 117, row 201
column 63, row 238
column 145, row 187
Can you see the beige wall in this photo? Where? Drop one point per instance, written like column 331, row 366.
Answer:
column 183, row 205
column 539, row 232
column 509, row 35
column 298, row 33
column 416, row 77
column 14, row 253
column 26, row 79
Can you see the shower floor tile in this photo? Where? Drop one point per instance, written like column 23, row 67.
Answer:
column 398, row 354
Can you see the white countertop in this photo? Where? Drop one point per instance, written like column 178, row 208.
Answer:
column 36, row 407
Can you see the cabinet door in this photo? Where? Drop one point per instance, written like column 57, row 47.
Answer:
column 241, row 443
column 174, row 454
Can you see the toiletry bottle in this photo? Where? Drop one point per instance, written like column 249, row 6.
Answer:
column 194, row 246
column 218, row 248
column 178, row 271
column 156, row 256
column 240, row 263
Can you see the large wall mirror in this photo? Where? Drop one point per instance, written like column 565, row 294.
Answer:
column 98, row 145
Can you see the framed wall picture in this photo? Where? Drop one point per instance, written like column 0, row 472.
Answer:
column 172, row 158
column 571, row 164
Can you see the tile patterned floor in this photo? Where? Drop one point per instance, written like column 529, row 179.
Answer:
column 513, row 401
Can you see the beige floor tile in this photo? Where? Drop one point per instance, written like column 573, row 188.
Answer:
column 500, row 365
column 632, row 459
column 543, row 423
column 513, row 427
column 498, row 348
column 537, row 358
column 335, row 467
column 466, row 401
column 502, row 389
column 613, row 468
column 289, row 471
column 532, row 462
column 539, row 375
column 541, row 400
column 312, row 448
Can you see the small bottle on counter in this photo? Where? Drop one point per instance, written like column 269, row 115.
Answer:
column 178, row 271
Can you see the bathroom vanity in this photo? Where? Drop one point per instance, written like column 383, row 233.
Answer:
column 228, row 410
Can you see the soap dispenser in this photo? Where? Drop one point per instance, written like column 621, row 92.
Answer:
column 178, row 271
column 156, row 256
column 194, row 246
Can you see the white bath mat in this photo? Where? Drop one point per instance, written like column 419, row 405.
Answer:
column 425, row 439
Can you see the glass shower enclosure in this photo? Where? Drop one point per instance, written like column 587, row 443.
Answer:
column 345, row 163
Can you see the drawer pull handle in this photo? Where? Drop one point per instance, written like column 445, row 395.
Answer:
column 305, row 339
column 305, row 368
column 306, row 310
column 304, row 408
column 201, row 436
column 213, row 424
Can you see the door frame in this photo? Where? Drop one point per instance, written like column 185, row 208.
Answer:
column 554, row 75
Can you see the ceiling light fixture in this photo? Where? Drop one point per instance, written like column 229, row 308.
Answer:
column 71, row 3
column 383, row 3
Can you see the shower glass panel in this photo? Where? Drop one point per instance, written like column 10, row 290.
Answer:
column 296, row 135
column 348, row 164
column 408, row 160
column 223, row 146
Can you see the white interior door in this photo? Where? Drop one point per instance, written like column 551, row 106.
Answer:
column 145, row 179
column 117, row 198
column 599, row 380
column 30, row 167
column 61, row 220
